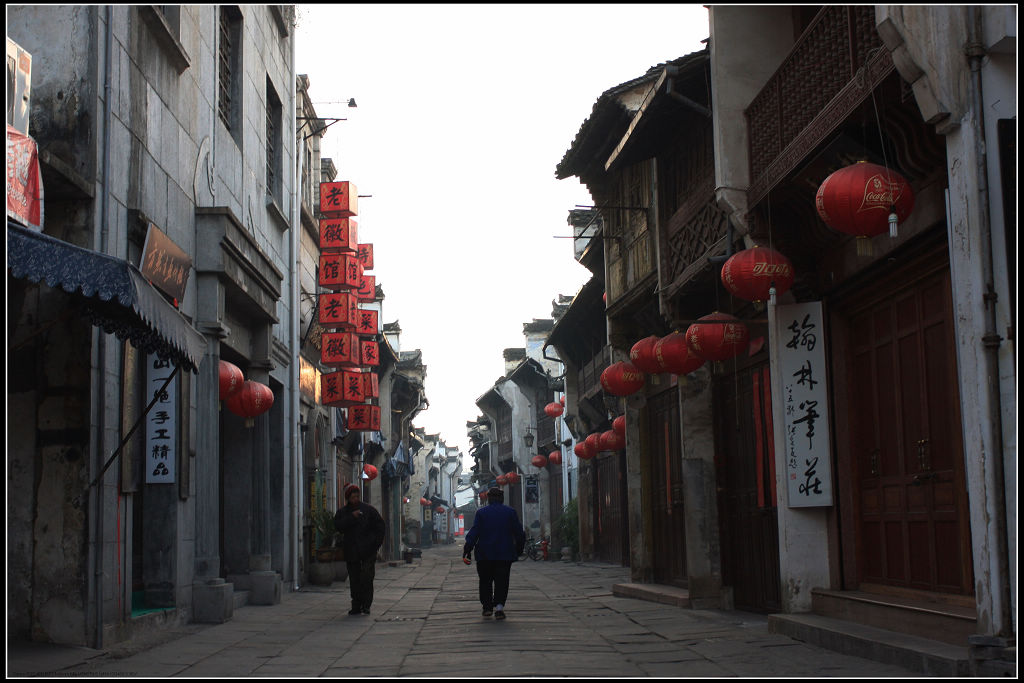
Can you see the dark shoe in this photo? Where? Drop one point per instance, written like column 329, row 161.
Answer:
column 355, row 610
column 366, row 610
column 488, row 612
column 499, row 614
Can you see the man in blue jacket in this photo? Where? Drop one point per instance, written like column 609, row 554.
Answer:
column 498, row 538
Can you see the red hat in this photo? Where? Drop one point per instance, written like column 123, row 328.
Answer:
column 349, row 488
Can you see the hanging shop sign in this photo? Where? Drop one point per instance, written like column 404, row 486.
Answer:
column 751, row 273
column 161, row 422
column 165, row 264
column 342, row 389
column 24, row 179
column 335, row 311
column 371, row 385
column 364, row 252
column 801, row 357
column 364, row 418
column 367, row 321
column 369, row 353
column 366, row 290
column 340, row 350
column 339, row 234
column 339, row 199
column 339, row 271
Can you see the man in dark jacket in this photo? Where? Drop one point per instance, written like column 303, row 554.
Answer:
column 498, row 538
column 363, row 534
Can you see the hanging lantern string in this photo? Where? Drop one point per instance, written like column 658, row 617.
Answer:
column 893, row 218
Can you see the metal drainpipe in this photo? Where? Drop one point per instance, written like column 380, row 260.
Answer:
column 99, row 396
column 295, row 407
column 991, row 340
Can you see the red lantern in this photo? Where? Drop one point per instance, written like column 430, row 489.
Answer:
column 231, row 379
column 483, row 497
column 619, row 425
column 501, row 479
column 512, row 478
column 553, row 409
column 750, row 273
column 580, row 449
column 251, row 400
column 539, row 461
column 622, row 379
column 674, row 355
column 555, row 457
column 642, row 355
column 611, row 441
column 562, row 400
column 370, row 471
column 863, row 200
column 592, row 443
column 718, row 341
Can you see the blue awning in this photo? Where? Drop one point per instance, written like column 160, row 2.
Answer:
column 113, row 294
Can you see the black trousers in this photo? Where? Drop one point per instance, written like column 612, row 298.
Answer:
column 360, row 581
column 493, row 582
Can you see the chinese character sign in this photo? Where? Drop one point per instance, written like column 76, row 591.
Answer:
column 365, row 255
column 801, row 353
column 339, row 200
column 366, row 292
column 338, row 234
column 367, row 322
column 161, row 422
column 342, row 388
column 341, row 349
column 339, row 271
column 24, row 180
column 335, row 311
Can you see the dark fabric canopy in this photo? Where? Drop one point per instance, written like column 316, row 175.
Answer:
column 112, row 292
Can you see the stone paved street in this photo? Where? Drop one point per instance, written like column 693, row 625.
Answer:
column 563, row 621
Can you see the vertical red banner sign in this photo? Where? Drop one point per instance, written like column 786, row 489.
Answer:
column 364, row 252
column 366, row 322
column 339, row 200
column 335, row 311
column 339, row 271
column 341, row 349
column 369, row 352
column 339, row 234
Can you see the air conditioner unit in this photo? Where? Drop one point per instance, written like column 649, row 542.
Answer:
column 19, row 86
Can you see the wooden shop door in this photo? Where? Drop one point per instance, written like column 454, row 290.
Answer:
column 904, row 452
column 666, row 465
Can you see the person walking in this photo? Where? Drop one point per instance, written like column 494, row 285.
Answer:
column 498, row 538
column 363, row 534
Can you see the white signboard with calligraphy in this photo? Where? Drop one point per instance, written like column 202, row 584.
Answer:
column 800, row 347
column 161, row 422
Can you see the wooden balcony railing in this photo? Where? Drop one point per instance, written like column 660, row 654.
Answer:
column 589, row 377
column 822, row 69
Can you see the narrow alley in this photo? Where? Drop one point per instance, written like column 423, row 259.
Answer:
column 563, row 621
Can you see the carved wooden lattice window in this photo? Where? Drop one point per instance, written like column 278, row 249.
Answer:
column 694, row 229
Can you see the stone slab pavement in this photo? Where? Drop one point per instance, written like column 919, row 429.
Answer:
column 426, row 622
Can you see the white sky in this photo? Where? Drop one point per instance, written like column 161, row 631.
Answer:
column 463, row 113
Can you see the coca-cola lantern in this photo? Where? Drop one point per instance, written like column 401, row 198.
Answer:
column 539, row 461
column 751, row 273
column 622, row 379
column 592, row 443
column 611, row 440
column 370, row 471
column 555, row 457
column 863, row 200
column 251, row 400
column 580, row 449
column 642, row 355
column 502, row 479
column 723, row 338
column 513, row 477
column 231, row 379
column 619, row 425
column 553, row 409
column 674, row 355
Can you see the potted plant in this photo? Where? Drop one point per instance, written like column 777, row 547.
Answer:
column 321, row 570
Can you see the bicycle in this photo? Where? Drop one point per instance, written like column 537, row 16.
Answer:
column 533, row 549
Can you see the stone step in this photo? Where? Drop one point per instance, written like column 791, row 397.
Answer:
column 930, row 619
column 653, row 592
column 241, row 598
column 929, row 657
